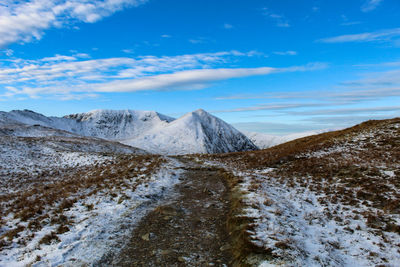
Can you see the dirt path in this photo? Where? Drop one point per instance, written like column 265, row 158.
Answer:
column 188, row 230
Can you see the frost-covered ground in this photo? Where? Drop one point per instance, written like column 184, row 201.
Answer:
column 67, row 202
column 295, row 227
column 331, row 200
column 29, row 160
column 100, row 223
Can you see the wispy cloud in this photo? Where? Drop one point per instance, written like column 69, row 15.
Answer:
column 347, row 111
column 382, row 64
column 384, row 35
column 270, row 107
column 343, row 121
column 286, row 53
column 279, row 19
column 348, row 94
column 25, row 21
column 8, row 52
column 227, row 26
column 370, row 5
column 345, row 98
column 188, row 79
column 350, row 23
column 63, row 75
column 128, row 51
column 199, row 40
column 276, row 128
column 388, row 78
column 346, row 21
column 166, row 36
column 315, row 8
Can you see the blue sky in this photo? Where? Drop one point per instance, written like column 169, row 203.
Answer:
column 269, row 66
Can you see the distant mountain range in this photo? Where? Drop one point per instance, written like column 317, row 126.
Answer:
column 195, row 132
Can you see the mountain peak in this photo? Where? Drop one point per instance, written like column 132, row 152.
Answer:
column 195, row 132
column 200, row 111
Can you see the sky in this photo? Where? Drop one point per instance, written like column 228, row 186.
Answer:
column 276, row 67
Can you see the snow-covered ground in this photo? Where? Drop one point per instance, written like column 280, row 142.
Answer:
column 69, row 200
column 23, row 159
column 297, row 230
column 293, row 224
column 333, row 204
column 94, row 225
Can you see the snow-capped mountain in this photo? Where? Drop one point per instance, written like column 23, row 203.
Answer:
column 116, row 124
column 106, row 124
column 195, row 132
column 263, row 141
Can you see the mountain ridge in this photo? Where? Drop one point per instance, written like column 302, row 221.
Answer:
column 194, row 132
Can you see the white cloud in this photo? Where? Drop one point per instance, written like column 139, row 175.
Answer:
column 183, row 79
column 271, row 107
column 128, row 51
column 276, row 128
column 66, row 76
column 347, row 111
column 350, row 23
column 370, row 5
column 59, row 58
column 25, row 21
column 228, row 26
column 199, row 40
column 377, row 79
column 384, row 35
column 286, row 53
column 280, row 20
column 8, row 52
column 166, row 36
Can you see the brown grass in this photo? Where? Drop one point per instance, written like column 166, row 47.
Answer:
column 42, row 201
column 353, row 178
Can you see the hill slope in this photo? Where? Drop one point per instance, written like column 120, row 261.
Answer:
column 263, row 141
column 331, row 199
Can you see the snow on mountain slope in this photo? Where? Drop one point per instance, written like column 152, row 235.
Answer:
column 116, row 124
column 25, row 130
column 107, row 124
column 31, row 118
column 33, row 150
column 263, row 140
column 195, row 132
